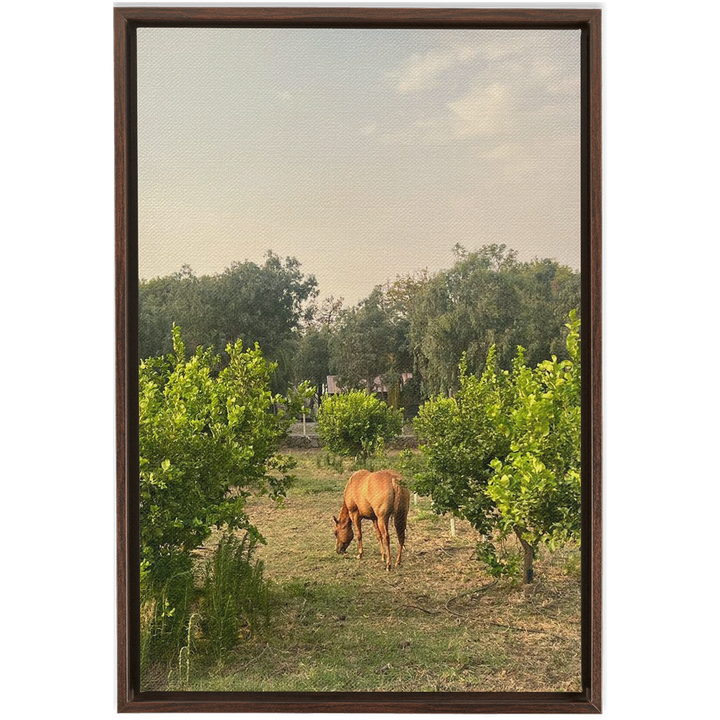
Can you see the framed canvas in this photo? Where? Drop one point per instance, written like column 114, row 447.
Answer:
column 335, row 228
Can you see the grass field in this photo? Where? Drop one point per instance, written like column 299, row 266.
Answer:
column 436, row 623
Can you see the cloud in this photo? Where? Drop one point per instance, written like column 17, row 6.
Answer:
column 423, row 70
column 485, row 110
column 507, row 88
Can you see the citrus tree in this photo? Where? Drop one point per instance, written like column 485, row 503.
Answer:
column 504, row 452
column 208, row 440
column 356, row 424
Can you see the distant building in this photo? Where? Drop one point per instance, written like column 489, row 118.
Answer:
column 379, row 388
column 332, row 387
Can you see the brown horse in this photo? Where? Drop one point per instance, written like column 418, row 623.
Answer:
column 373, row 496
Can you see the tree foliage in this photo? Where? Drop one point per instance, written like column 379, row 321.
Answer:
column 369, row 341
column 262, row 304
column 504, row 452
column 208, row 439
column 356, row 424
column 311, row 361
column 418, row 323
column 488, row 298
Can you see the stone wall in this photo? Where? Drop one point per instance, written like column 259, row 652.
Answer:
column 300, row 442
column 306, row 442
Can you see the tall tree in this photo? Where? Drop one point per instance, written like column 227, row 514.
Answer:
column 370, row 341
column 312, row 359
column 258, row 303
column 488, row 298
column 262, row 304
column 164, row 301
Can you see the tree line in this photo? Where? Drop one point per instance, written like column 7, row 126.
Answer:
column 420, row 324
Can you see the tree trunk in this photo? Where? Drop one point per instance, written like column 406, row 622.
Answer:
column 529, row 555
column 394, row 395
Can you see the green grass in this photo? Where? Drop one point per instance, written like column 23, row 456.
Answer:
column 437, row 623
column 315, row 475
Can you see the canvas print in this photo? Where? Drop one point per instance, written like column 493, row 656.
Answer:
column 359, row 359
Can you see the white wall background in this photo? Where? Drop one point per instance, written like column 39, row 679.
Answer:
column 661, row 388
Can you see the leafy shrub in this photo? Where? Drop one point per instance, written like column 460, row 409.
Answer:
column 203, row 434
column 357, row 425
column 498, row 564
column 328, row 460
column 411, row 464
column 208, row 440
column 504, row 452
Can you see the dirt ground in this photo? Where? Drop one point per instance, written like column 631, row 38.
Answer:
column 436, row 623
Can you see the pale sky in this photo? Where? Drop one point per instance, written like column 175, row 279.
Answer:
column 363, row 153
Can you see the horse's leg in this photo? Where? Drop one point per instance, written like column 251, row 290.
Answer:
column 379, row 538
column 400, row 523
column 357, row 521
column 385, row 532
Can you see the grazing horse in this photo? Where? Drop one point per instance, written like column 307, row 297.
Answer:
column 373, row 496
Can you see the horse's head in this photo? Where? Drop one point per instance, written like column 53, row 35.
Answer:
column 343, row 533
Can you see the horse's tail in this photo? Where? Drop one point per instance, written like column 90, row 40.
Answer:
column 401, row 504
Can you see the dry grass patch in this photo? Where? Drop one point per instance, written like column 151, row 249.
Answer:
column 437, row 623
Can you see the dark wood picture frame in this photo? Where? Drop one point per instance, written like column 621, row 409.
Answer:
column 130, row 699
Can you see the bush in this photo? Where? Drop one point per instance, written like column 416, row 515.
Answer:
column 208, row 440
column 357, row 425
column 411, row 465
column 504, row 452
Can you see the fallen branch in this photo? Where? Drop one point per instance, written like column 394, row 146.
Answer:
column 417, row 607
column 528, row 630
column 475, row 591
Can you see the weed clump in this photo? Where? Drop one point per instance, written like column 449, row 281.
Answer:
column 191, row 617
column 235, row 597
